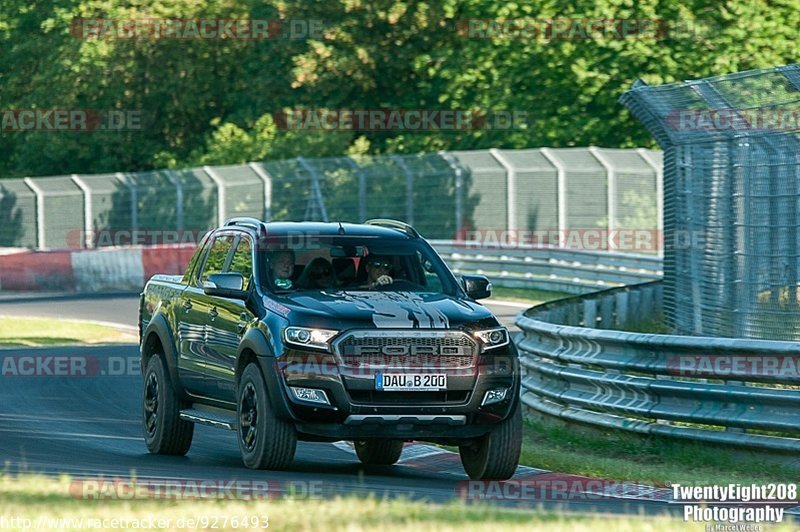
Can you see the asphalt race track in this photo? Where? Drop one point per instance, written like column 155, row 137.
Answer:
column 89, row 426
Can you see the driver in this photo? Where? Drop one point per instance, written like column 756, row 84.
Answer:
column 378, row 269
column 281, row 268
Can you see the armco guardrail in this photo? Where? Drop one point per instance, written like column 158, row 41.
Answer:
column 550, row 268
column 577, row 368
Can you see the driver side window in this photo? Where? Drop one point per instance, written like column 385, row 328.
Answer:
column 242, row 261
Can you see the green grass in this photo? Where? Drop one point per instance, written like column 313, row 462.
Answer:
column 611, row 455
column 38, row 497
column 35, row 332
column 525, row 295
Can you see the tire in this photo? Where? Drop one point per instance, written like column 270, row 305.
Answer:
column 378, row 452
column 495, row 456
column 164, row 431
column 265, row 441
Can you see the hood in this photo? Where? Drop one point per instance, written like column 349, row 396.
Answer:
column 390, row 310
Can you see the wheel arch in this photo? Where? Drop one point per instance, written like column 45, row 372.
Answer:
column 158, row 338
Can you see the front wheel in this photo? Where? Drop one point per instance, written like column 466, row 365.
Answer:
column 495, row 456
column 265, row 441
column 378, row 452
column 164, row 430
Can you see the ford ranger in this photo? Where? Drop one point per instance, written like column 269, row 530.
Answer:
column 288, row 331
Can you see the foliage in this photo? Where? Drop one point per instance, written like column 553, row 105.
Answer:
column 213, row 101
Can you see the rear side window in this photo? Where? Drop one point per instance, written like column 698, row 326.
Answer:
column 242, row 261
column 216, row 256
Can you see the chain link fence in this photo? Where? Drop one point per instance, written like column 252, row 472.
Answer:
column 504, row 198
column 731, row 190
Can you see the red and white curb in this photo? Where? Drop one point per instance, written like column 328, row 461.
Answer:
column 91, row 270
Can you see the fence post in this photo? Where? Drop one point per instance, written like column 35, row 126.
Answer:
column 40, row 229
column 221, row 196
column 87, row 210
column 178, row 199
column 315, row 200
column 511, row 189
column 409, row 187
column 561, row 173
column 659, row 170
column 128, row 182
column 459, row 188
column 590, row 313
column 611, row 188
column 267, row 179
column 362, row 189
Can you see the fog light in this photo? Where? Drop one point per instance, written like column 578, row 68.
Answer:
column 494, row 395
column 312, row 395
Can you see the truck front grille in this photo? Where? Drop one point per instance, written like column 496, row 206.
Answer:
column 410, row 350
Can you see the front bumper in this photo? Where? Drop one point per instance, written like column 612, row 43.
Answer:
column 358, row 411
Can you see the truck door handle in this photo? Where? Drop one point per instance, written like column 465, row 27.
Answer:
column 213, row 313
column 187, row 305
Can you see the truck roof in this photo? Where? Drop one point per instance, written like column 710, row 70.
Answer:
column 333, row 229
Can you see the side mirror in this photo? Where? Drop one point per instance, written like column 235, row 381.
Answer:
column 228, row 285
column 476, row 286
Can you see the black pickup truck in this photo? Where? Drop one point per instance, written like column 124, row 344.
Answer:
column 325, row 332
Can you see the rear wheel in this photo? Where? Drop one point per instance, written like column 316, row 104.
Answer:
column 378, row 452
column 164, row 430
column 495, row 456
column 265, row 441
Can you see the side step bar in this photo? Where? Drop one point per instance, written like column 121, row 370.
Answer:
column 214, row 418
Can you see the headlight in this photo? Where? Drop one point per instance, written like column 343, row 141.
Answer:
column 305, row 337
column 491, row 338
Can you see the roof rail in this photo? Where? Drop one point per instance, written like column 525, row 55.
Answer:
column 394, row 224
column 246, row 221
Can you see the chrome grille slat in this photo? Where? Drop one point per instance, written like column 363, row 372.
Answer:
column 381, row 338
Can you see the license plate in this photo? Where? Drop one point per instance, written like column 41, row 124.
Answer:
column 410, row 382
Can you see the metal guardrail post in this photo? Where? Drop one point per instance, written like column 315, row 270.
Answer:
column 88, row 219
column 221, row 195
column 40, row 212
column 267, row 179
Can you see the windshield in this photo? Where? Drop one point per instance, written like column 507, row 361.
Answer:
column 353, row 263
